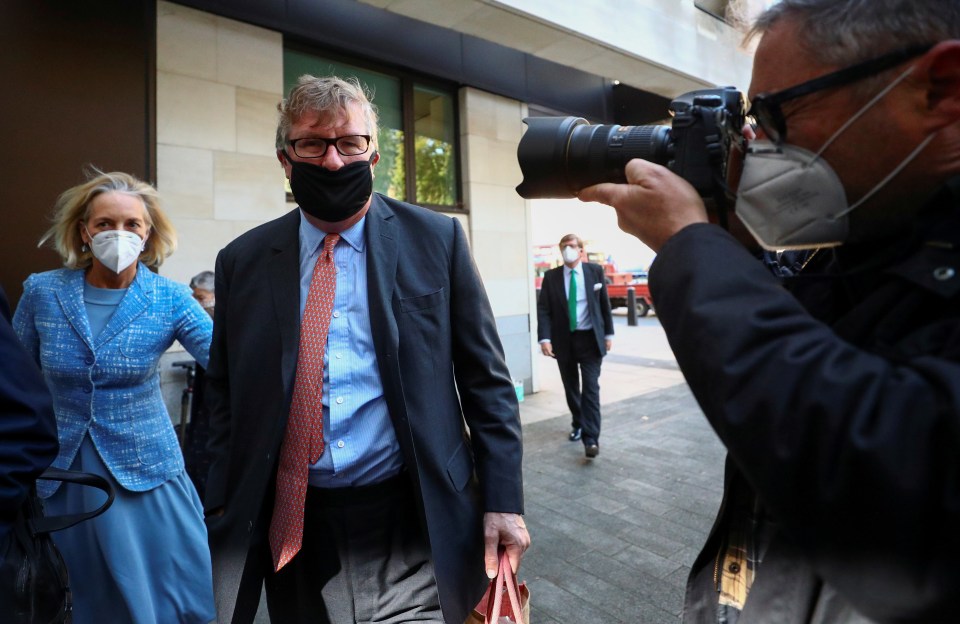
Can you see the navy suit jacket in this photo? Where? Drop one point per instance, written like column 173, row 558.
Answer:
column 442, row 368
column 553, row 319
column 28, row 428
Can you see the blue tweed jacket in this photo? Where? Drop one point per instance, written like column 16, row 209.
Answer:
column 110, row 386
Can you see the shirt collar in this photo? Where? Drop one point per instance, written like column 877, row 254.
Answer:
column 311, row 237
column 577, row 269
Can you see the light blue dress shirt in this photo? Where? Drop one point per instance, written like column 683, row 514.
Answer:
column 360, row 444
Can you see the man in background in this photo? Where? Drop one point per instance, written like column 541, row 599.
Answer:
column 575, row 326
column 195, row 454
column 202, row 285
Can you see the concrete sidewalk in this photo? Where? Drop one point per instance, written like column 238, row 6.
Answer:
column 614, row 538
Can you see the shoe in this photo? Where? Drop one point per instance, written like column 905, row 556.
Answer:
column 591, row 450
column 575, row 434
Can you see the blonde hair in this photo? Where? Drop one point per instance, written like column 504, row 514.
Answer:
column 73, row 208
column 330, row 96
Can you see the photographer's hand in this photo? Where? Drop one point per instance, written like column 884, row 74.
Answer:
column 654, row 205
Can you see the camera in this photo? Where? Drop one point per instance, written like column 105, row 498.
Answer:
column 561, row 155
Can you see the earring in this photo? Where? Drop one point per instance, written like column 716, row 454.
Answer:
column 84, row 248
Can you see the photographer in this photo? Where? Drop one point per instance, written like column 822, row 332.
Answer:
column 835, row 391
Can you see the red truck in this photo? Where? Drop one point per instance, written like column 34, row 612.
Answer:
column 617, row 285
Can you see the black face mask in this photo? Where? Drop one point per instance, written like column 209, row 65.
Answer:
column 331, row 196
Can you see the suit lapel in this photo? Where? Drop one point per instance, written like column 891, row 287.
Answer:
column 71, row 302
column 562, row 296
column 382, row 251
column 589, row 276
column 284, row 274
column 134, row 303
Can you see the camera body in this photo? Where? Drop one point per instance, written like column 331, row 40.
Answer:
column 558, row 156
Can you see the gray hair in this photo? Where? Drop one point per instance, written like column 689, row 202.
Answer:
column 330, row 96
column 844, row 32
column 203, row 280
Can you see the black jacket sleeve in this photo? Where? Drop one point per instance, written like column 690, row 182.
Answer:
column 28, row 428
column 854, row 450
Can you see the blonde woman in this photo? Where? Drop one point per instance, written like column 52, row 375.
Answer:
column 97, row 327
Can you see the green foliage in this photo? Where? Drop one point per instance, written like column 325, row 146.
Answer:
column 436, row 173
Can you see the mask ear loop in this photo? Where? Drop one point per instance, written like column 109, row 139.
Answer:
column 857, row 116
column 864, row 109
column 896, row 170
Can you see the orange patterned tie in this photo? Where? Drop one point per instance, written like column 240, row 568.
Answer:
column 303, row 440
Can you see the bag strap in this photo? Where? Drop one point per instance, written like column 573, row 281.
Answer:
column 505, row 578
column 58, row 523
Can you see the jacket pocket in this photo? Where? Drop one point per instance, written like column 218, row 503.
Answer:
column 422, row 302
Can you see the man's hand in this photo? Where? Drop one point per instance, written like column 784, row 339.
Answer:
column 654, row 205
column 609, row 345
column 507, row 530
column 547, row 349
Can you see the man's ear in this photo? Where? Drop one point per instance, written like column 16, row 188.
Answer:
column 942, row 67
column 284, row 162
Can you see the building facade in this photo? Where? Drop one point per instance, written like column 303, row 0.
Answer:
column 185, row 94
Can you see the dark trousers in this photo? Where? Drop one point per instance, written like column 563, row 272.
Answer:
column 364, row 559
column 581, row 383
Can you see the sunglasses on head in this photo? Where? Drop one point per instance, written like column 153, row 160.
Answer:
column 765, row 107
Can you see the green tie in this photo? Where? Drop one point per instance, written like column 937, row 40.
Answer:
column 572, row 301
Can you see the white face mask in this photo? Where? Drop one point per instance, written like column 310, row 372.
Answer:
column 570, row 254
column 116, row 249
column 790, row 198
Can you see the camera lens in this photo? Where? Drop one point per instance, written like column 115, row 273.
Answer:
column 560, row 155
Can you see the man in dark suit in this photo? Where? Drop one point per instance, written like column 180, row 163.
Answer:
column 28, row 428
column 575, row 326
column 403, row 509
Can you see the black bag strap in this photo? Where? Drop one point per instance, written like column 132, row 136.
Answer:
column 58, row 523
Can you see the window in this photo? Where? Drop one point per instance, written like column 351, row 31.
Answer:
column 419, row 160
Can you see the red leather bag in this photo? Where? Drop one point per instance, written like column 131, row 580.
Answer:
column 494, row 609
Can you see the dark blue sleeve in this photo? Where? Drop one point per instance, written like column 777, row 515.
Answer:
column 28, row 428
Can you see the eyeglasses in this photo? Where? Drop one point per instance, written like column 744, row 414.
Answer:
column 765, row 108
column 350, row 145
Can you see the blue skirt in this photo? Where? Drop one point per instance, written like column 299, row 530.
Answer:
column 144, row 561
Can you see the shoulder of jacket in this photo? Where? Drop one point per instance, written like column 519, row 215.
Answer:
column 266, row 233
column 406, row 211
column 51, row 279
column 424, row 227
